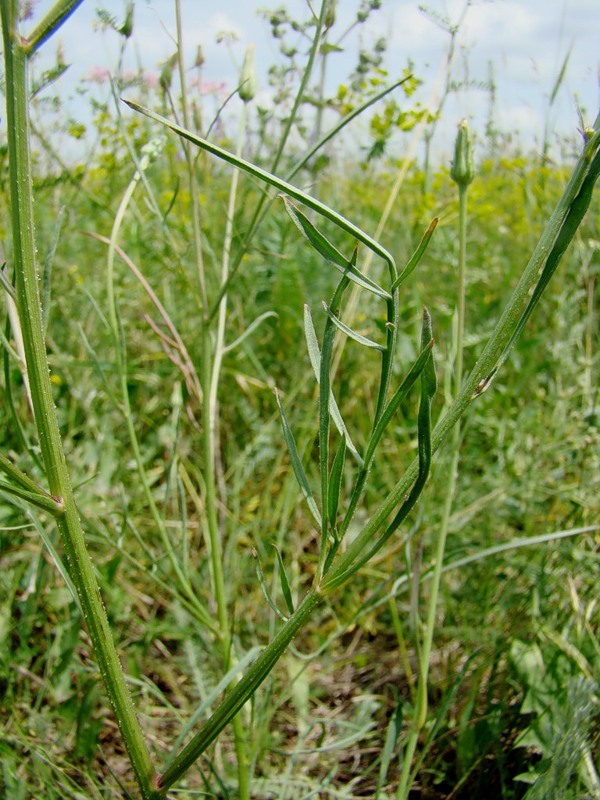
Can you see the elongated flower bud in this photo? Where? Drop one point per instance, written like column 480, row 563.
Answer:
column 463, row 171
column 126, row 28
column 166, row 73
column 199, row 57
column 247, row 88
column 330, row 15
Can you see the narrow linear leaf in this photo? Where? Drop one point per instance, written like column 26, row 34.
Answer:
column 417, row 255
column 43, row 501
column 312, row 234
column 314, row 355
column 335, row 481
column 285, row 584
column 364, row 340
column 329, row 252
column 296, row 463
column 428, row 388
column 272, row 180
column 312, row 343
column 19, row 477
column 263, row 585
column 397, row 398
column 324, row 412
column 429, row 378
column 380, row 427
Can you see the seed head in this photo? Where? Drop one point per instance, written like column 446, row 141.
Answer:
column 247, row 88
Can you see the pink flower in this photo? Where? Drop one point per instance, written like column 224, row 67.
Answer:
column 98, row 75
column 209, row 87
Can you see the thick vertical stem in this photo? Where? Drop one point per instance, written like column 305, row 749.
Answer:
column 421, row 704
column 30, row 316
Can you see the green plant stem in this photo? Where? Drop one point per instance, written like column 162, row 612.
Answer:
column 216, row 552
column 453, row 468
column 486, row 363
column 234, row 701
column 220, row 348
column 210, row 371
column 343, row 567
column 28, row 300
column 421, row 702
column 50, row 23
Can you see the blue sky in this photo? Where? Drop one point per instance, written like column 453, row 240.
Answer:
column 525, row 41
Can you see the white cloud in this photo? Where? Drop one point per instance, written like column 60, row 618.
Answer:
column 525, row 40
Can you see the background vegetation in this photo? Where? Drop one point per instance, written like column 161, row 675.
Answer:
column 514, row 673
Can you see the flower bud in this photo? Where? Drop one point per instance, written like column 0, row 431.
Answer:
column 126, row 28
column 330, row 15
column 247, row 88
column 199, row 57
column 166, row 73
column 463, row 171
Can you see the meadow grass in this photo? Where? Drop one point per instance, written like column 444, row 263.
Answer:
column 205, row 524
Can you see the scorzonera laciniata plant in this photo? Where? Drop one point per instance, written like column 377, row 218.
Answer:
column 343, row 465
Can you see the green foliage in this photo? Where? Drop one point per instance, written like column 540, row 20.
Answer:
column 513, row 676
